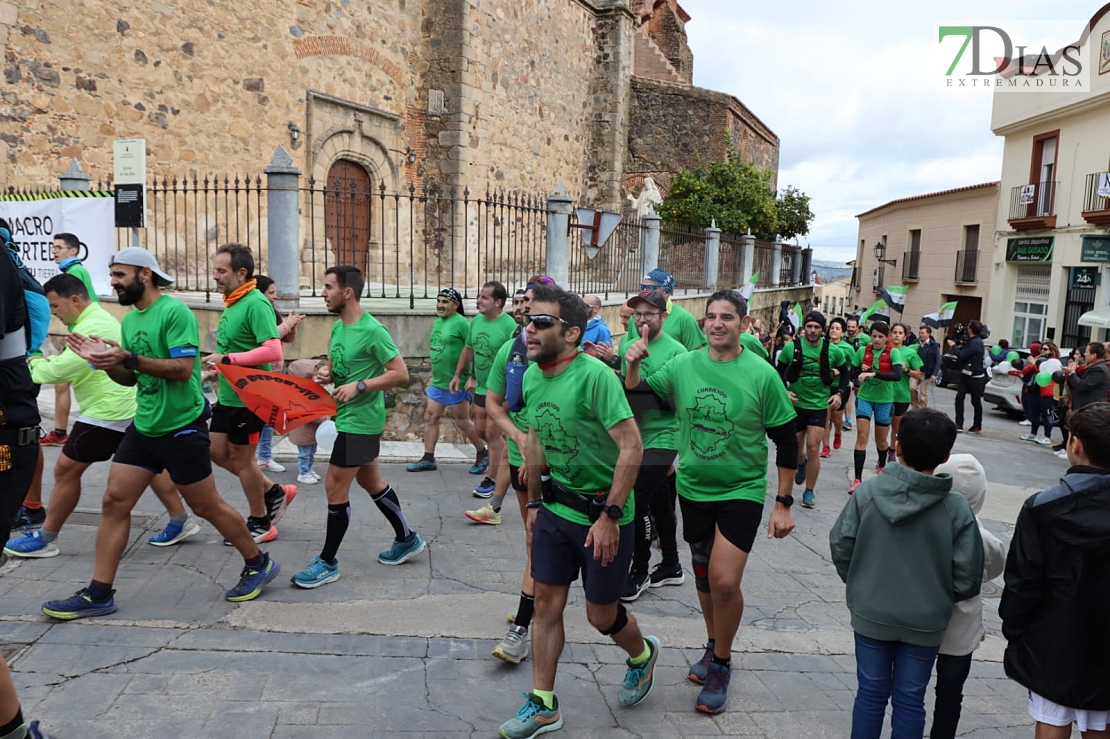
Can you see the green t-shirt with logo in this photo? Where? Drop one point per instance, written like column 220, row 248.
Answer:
column 496, row 383
column 658, row 428
column 571, row 414
column 485, row 338
column 78, row 270
column 165, row 330
column 724, row 410
column 810, row 390
column 244, row 326
column 911, row 360
column 876, row 390
column 446, row 344
column 360, row 352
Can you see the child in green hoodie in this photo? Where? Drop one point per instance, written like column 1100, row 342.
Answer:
column 908, row 547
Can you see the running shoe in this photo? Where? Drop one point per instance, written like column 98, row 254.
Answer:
column 637, row 583
column 54, row 438
column 855, row 484
column 481, row 463
column 174, row 533
column 261, row 530
column 1062, row 454
column 1028, row 437
column 1044, row 442
column 278, row 500
column 532, row 719
column 34, row 732
column 79, row 605
column 826, row 452
column 31, row 546
column 485, row 514
column 271, row 466
column 847, row 425
column 714, row 695
column 891, row 455
column 666, row 574
column 316, row 574
column 700, row 669
column 423, row 466
column 514, row 647
column 485, row 488
column 879, row 469
column 402, row 551
column 809, row 499
column 253, row 579
column 800, row 475
column 308, row 478
column 1025, row 422
column 639, row 679
column 29, row 519
column 975, row 429
column 837, row 440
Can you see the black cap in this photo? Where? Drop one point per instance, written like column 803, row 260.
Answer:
column 814, row 317
column 651, row 296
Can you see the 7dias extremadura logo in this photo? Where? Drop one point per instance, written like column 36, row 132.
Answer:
column 1027, row 56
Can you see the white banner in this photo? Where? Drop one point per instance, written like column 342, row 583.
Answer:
column 90, row 219
column 1104, row 184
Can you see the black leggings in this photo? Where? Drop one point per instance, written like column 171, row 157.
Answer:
column 655, row 499
column 952, row 673
column 14, row 484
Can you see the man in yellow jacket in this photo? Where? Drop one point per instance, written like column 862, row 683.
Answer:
column 106, row 410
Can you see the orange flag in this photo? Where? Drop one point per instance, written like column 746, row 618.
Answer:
column 283, row 401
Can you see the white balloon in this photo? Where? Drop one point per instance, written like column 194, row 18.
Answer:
column 326, row 434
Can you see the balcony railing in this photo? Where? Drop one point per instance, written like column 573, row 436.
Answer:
column 1096, row 208
column 967, row 266
column 911, row 266
column 1033, row 206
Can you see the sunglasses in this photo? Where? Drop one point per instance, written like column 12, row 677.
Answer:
column 651, row 288
column 542, row 321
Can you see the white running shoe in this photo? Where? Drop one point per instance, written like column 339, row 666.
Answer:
column 309, row 478
column 271, row 466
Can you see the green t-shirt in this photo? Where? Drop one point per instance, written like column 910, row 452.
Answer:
column 572, row 413
column 360, row 352
column 724, row 410
column 496, row 384
column 752, row 343
column 78, row 270
column 244, row 326
column 810, row 389
column 165, row 330
column 876, row 390
column 485, row 338
column 659, row 428
column 446, row 344
column 911, row 360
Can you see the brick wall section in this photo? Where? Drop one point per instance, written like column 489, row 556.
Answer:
column 651, row 62
column 667, row 30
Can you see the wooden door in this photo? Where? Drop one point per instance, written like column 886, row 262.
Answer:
column 347, row 213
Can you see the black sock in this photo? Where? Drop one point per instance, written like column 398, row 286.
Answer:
column 428, row 457
column 100, row 590
column 257, row 562
column 264, row 519
column 9, row 729
column 60, row 432
column 882, row 455
column 390, row 507
column 726, row 662
column 339, row 516
column 860, row 459
column 524, row 610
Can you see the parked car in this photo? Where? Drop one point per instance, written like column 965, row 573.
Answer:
column 1004, row 389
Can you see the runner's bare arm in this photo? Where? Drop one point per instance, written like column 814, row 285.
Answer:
column 465, row 356
column 495, row 407
column 396, row 373
column 534, row 460
column 627, row 436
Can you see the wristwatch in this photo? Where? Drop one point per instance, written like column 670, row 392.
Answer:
column 786, row 500
column 131, row 361
column 360, row 386
column 226, row 359
column 614, row 512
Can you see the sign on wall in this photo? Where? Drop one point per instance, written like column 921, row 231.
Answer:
column 1083, row 277
column 1030, row 249
column 88, row 215
column 1095, row 249
column 129, row 170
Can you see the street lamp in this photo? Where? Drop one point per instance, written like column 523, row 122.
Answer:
column 880, row 252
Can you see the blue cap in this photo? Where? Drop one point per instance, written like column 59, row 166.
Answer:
column 661, row 278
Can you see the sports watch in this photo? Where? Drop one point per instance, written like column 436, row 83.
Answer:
column 131, row 361
column 360, row 386
column 614, row 512
column 786, row 500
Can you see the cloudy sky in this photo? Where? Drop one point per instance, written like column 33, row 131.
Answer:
column 855, row 91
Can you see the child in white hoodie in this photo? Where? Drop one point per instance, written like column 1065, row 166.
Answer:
column 965, row 630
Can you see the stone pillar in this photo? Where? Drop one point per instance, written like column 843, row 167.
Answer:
column 796, row 264
column 776, row 265
column 73, row 178
column 747, row 259
column 559, row 207
column 609, row 96
column 712, row 264
column 649, row 244
column 807, row 264
column 283, row 227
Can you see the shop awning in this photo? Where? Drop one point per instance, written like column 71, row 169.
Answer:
column 1098, row 318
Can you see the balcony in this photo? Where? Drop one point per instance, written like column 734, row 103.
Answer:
column 1096, row 208
column 911, row 266
column 967, row 267
column 1033, row 206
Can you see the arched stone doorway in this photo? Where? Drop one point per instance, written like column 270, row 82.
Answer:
column 347, row 204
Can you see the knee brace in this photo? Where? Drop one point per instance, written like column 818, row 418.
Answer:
column 619, row 623
column 700, row 556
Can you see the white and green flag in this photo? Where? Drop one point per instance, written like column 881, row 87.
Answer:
column 942, row 318
column 895, row 296
column 795, row 317
column 877, row 312
column 749, row 287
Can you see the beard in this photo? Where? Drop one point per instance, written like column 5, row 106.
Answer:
column 131, row 294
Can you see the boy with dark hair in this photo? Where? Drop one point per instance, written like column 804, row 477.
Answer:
column 922, row 542
column 1057, row 599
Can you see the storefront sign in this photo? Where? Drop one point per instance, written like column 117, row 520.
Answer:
column 1095, row 249
column 1083, row 277
column 1036, row 249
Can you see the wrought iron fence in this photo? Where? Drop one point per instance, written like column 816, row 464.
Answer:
column 616, row 268
column 682, row 253
column 764, row 261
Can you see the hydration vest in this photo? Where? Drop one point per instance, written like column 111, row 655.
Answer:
column 884, row 359
column 514, row 374
column 794, row 371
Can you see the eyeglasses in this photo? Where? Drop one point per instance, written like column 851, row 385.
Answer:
column 543, row 322
column 646, row 315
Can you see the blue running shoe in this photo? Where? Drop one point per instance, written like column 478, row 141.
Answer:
column 79, row 605
column 638, row 680
column 485, row 488
column 252, row 580
column 714, row 695
column 809, row 499
column 423, row 466
column 700, row 669
column 800, row 475
column 481, row 464
column 532, row 719
column 174, row 533
column 316, row 574
column 402, row 551
column 34, row 732
column 31, row 545
column 28, row 520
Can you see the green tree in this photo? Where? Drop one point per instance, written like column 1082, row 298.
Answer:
column 794, row 215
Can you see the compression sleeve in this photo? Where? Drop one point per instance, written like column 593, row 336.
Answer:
column 270, row 351
column 786, row 444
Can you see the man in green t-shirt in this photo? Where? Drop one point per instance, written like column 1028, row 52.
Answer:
column 876, row 369
column 816, row 375
column 681, row 324
column 728, row 400
column 659, row 430
column 247, row 335
column 445, row 345
column 489, row 330
column 159, row 355
column 582, row 456
column 363, row 362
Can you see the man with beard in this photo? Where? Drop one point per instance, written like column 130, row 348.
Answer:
column 363, row 363
column 246, row 336
column 583, row 436
column 489, row 330
column 159, row 354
